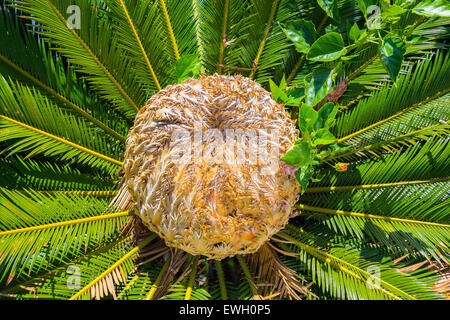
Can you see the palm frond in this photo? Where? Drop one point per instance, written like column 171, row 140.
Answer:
column 407, row 235
column 31, row 117
column 17, row 173
column 411, row 92
column 125, row 262
column 37, row 230
column 22, row 47
column 133, row 21
column 343, row 273
column 420, row 161
column 109, row 70
column 439, row 130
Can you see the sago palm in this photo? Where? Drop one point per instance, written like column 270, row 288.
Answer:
column 92, row 205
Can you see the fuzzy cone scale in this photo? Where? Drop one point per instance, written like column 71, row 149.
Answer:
column 206, row 206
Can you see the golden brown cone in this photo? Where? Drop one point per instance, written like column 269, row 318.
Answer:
column 207, row 206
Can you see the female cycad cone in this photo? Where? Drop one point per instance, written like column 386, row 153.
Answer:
column 202, row 166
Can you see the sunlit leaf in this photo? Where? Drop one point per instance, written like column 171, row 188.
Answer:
column 317, row 85
column 328, row 47
column 302, row 33
column 392, row 51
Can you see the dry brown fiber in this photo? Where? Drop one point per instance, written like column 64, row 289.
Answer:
column 204, row 206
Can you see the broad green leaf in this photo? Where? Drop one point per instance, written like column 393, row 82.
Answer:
column 303, row 176
column 292, row 97
column 326, row 116
column 388, row 10
column 301, row 32
column 299, row 155
column 392, row 51
column 307, row 118
column 317, row 85
column 296, row 93
column 328, row 47
column 187, row 66
column 433, row 8
column 277, row 93
column 354, row 33
column 323, row 136
column 330, row 7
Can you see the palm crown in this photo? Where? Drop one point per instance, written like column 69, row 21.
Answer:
column 366, row 82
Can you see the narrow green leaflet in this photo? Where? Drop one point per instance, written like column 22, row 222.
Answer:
column 302, row 33
column 392, row 51
column 317, row 85
column 187, row 66
column 328, row 47
column 433, row 8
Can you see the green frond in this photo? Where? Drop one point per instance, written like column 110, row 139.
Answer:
column 374, row 186
column 192, row 276
column 248, row 275
column 43, row 128
column 276, row 49
column 93, row 193
column 65, row 281
column 181, row 15
column 37, row 230
column 170, row 29
column 366, row 72
column 261, row 36
column 343, row 273
column 156, row 284
column 50, row 145
column 412, row 91
column 217, row 25
column 420, row 161
column 125, row 262
column 110, row 72
column 388, row 226
column 425, row 115
column 17, row 173
column 139, row 285
column 235, row 284
column 48, row 75
column 377, row 199
column 267, row 29
column 439, row 130
column 27, row 105
column 179, row 292
column 133, row 21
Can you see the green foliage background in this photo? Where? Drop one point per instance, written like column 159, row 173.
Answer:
column 371, row 96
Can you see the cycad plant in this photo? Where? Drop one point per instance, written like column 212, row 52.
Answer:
column 364, row 85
